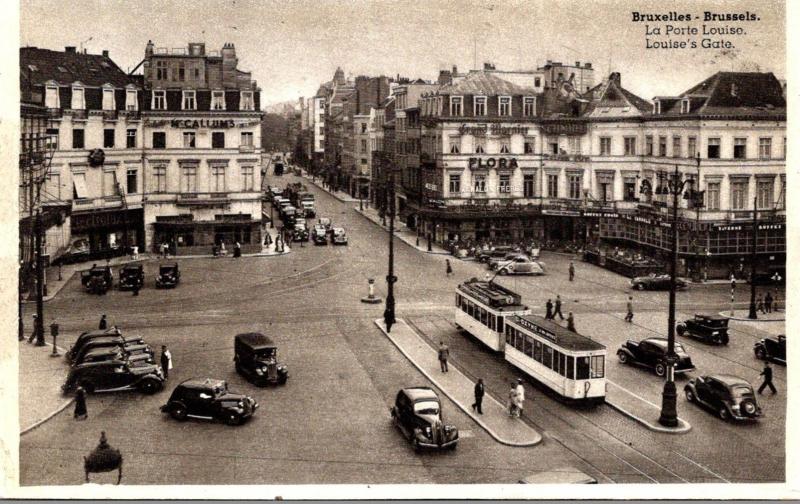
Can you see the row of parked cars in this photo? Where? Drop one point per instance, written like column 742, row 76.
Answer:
column 506, row 260
column 98, row 279
column 325, row 231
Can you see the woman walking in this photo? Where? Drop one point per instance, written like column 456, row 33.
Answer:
column 80, row 404
column 449, row 268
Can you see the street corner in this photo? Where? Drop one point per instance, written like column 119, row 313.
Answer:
column 641, row 410
column 744, row 316
column 40, row 379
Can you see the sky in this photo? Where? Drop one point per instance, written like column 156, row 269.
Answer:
column 293, row 46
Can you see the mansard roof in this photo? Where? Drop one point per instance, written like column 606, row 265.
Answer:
column 731, row 94
column 39, row 66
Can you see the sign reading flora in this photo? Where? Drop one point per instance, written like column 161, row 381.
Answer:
column 488, row 163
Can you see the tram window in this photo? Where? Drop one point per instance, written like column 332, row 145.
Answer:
column 582, row 368
column 469, row 308
column 570, row 367
column 499, row 324
column 556, row 360
column 537, row 351
column 458, row 300
column 491, row 322
column 597, row 366
column 509, row 336
column 484, row 317
column 527, row 350
column 547, row 356
column 562, row 364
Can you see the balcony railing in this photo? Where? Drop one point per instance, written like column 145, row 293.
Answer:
column 203, row 199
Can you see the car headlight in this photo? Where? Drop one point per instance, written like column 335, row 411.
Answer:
column 735, row 407
column 428, row 431
column 260, row 371
column 240, row 404
column 282, row 367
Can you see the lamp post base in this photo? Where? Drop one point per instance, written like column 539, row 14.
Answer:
column 669, row 405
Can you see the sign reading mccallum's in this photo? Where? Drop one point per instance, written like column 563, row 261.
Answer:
column 201, row 123
column 564, row 128
column 488, row 163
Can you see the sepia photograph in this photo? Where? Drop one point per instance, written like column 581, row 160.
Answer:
column 331, row 247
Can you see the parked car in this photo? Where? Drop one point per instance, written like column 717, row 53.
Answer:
column 116, row 353
column 134, row 345
column 652, row 353
column 255, row 357
column 498, row 252
column 168, row 275
column 88, row 336
column 209, row 399
column 494, row 262
column 656, row 282
column 709, row 328
column 96, row 280
column 131, row 276
column 112, row 376
column 520, row 265
column 773, row 276
column 771, row 348
column 300, row 233
column 729, row 396
column 339, row 237
column 319, row 235
column 326, row 223
column 417, row 412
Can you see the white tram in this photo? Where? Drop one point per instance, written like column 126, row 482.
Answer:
column 568, row 363
column 481, row 309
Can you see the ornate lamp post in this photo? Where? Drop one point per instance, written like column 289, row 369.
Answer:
column 388, row 314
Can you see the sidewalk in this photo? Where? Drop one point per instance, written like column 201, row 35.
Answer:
column 460, row 389
column 742, row 315
column 403, row 233
column 40, row 380
column 340, row 195
column 640, row 409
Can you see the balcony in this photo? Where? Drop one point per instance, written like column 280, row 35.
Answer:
column 105, row 202
column 246, row 148
column 214, row 199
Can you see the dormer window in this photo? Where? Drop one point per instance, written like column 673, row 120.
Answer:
column 189, row 100
column 78, row 99
column 159, row 100
column 218, row 100
column 455, row 105
column 685, row 106
column 108, row 98
column 51, row 98
column 529, row 106
column 480, row 106
column 656, row 106
column 131, row 103
column 504, row 105
column 246, row 102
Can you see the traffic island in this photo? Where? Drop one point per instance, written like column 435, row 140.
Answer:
column 743, row 316
column 641, row 410
column 459, row 388
column 40, row 380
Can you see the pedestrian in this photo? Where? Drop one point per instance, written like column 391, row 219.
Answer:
column 768, row 302
column 733, row 282
column 487, row 277
column 237, row 249
column 449, row 268
column 512, row 401
column 80, row 404
column 767, row 374
column 558, row 308
column 549, row 314
column 571, row 322
column 760, row 304
column 214, row 250
column 166, row 360
column 479, row 391
column 571, row 271
column 35, row 329
column 775, row 301
column 629, row 316
column 222, row 250
column 103, row 323
column 444, row 353
column 136, row 289
column 519, row 396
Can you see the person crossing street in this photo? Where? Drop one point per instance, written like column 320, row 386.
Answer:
column 103, row 323
column 479, row 391
column 571, row 271
column 558, row 308
column 449, row 269
column 166, row 360
column 571, row 322
column 629, row 316
column 549, row 314
column 767, row 374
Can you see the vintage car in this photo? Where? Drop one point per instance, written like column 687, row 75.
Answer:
column 91, row 335
column 112, row 376
column 115, row 353
column 494, row 262
column 299, row 219
column 652, row 353
column 655, row 282
column 326, row 223
column 131, row 276
column 771, row 348
column 307, row 206
column 97, row 280
column 417, row 412
column 209, row 399
column 319, row 235
column 134, row 345
column 709, row 328
column 773, row 276
column 520, row 265
column 168, row 275
column 288, row 216
column 338, row 236
column 300, row 233
column 497, row 253
column 729, row 396
column 277, row 199
column 255, row 357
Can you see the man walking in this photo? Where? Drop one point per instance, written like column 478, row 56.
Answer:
column 571, row 322
column 519, row 397
column 35, row 329
column 444, row 353
column 479, row 391
column 166, row 360
column 80, row 412
column 549, row 314
column 571, row 271
column 136, row 289
column 767, row 374
column 103, row 325
column 629, row 316
column 449, row 269
column 558, row 308
column 768, row 302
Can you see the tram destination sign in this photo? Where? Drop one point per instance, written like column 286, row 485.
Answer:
column 527, row 324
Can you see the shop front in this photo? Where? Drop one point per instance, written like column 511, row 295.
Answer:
column 106, row 233
column 186, row 236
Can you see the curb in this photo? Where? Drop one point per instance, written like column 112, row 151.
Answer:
column 455, row 401
column 399, row 237
column 349, row 198
column 683, row 429
column 58, row 410
column 745, row 319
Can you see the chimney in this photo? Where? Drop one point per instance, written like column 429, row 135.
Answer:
column 616, row 78
column 105, row 53
column 455, row 69
column 578, row 64
column 70, row 49
column 588, row 65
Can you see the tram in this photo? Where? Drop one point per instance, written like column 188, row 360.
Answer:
column 571, row 365
column 481, row 309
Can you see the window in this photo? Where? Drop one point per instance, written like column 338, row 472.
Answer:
column 784, row 147
column 132, row 186
column 189, row 179
column 218, row 100
column 765, row 193
column 189, row 100
column 575, row 184
column 455, row 184
column 108, row 138
column 189, row 139
column 160, row 178
column 629, row 189
column 480, row 146
column 217, row 139
column 109, row 183
column 692, row 147
column 656, row 106
column 78, row 100
column 630, row 146
column 739, row 194
column 248, row 182
column 504, row 148
column 130, row 139
column 159, row 100
column 739, row 148
column 537, row 82
column 108, row 99
column 51, row 98
column 662, row 146
column 480, row 106
column 77, row 138
column 528, row 185
column 552, row 186
column 480, row 183
column 676, row 147
column 575, row 145
column 527, row 346
column 363, row 145
column 247, row 139
column 648, row 145
column 713, row 148
column 712, row 195
column 570, row 367
column 161, row 70
column 181, row 71
column 765, row 148
column 455, row 148
column 554, row 148
column 530, row 145
column 246, row 101
column 79, row 186
column 684, row 106
column 218, row 178
column 505, row 105
column 505, row 184
column 51, row 142
column 598, row 366
column 582, row 368
column 529, row 106
column 605, row 146
column 547, row 356
column 455, row 105
column 159, row 139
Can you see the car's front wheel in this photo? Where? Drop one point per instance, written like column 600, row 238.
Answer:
column 689, row 395
column 660, row 369
column 178, row 412
column 639, row 286
column 87, row 386
column 681, row 329
column 723, row 413
column 415, row 444
column 233, row 419
column 760, row 353
column 623, row 357
column 149, row 386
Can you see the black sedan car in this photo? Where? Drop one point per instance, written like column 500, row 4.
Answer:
column 771, row 348
column 417, row 412
column 729, row 396
column 168, row 276
column 113, row 376
column 709, row 328
column 655, row 282
column 136, row 354
column 652, row 353
column 131, row 276
column 209, row 399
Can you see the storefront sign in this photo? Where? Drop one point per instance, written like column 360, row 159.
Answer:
column 564, row 128
column 610, row 215
column 200, row 123
column 494, row 129
column 431, row 187
column 488, row 163
column 563, row 213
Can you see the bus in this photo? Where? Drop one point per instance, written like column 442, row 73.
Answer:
column 569, row 364
column 481, row 309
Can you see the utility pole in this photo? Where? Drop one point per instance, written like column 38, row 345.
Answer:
column 388, row 314
column 753, row 315
column 39, row 280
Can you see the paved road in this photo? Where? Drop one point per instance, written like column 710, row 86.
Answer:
column 331, row 424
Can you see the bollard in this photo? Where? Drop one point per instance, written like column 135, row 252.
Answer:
column 371, row 298
column 54, row 333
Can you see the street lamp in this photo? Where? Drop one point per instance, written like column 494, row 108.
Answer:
column 672, row 186
column 388, row 314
